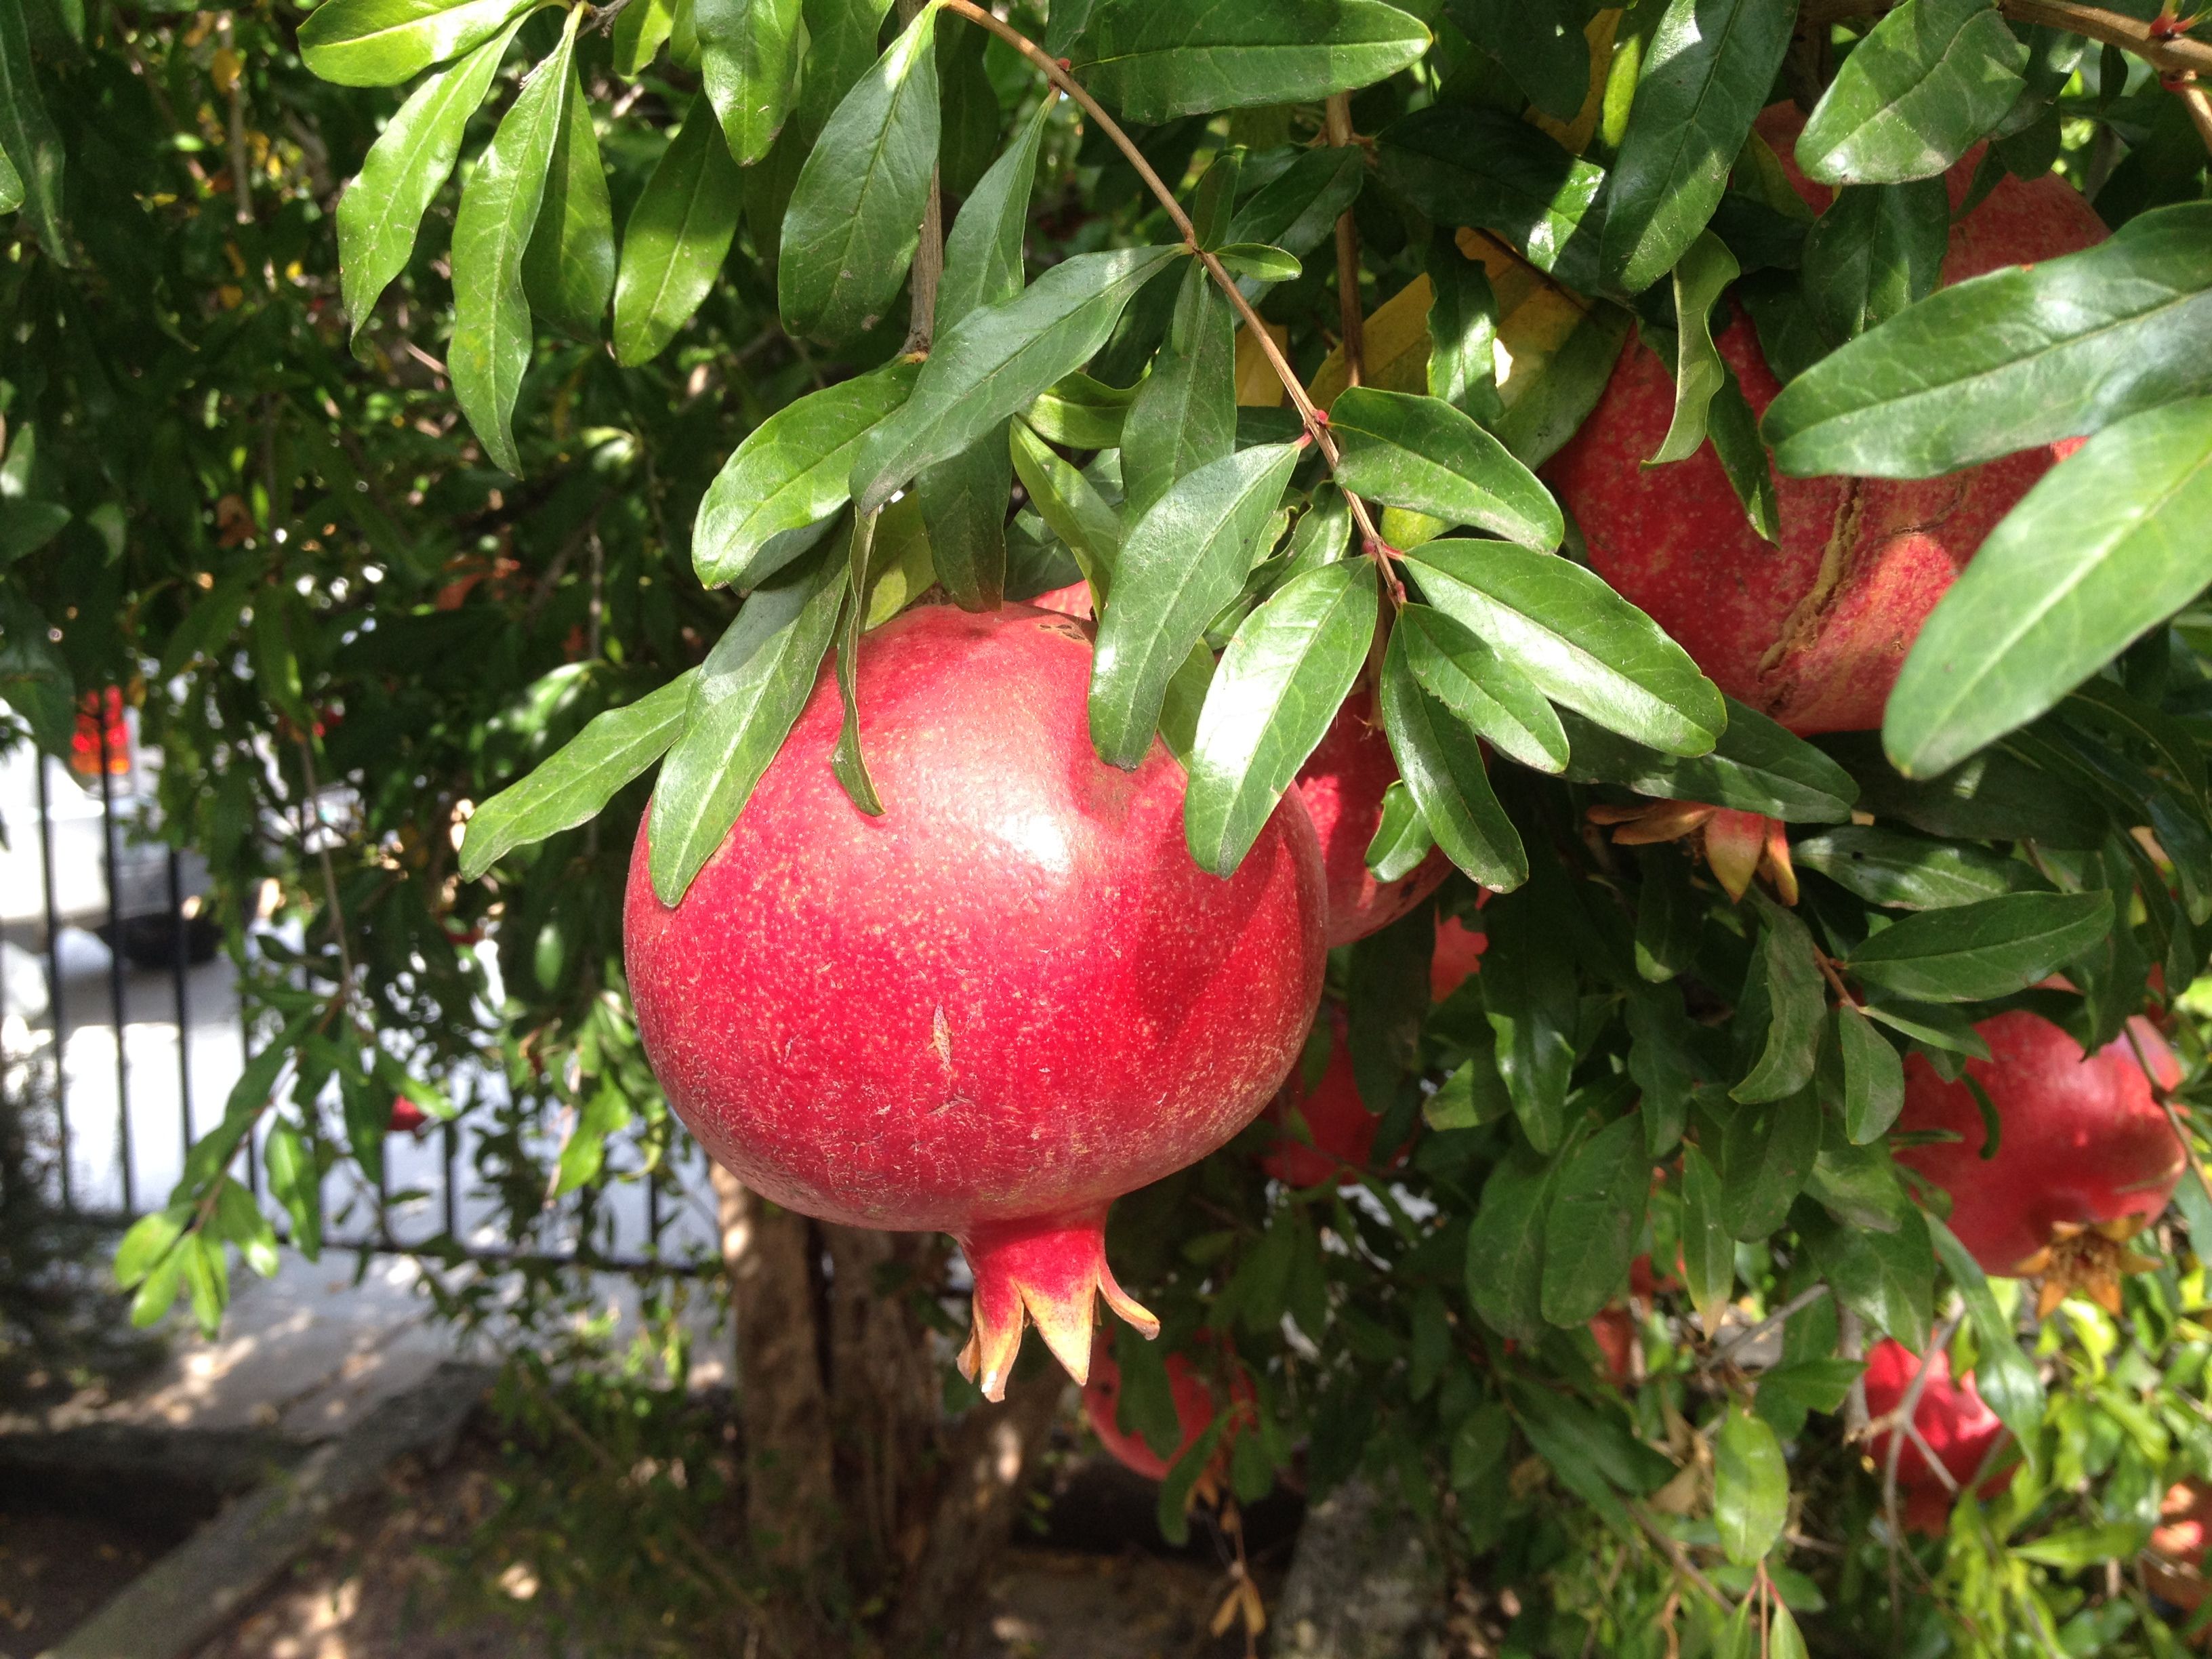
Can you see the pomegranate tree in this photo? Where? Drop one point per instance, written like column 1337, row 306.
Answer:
column 1342, row 785
column 995, row 1007
column 1952, row 1421
column 1812, row 631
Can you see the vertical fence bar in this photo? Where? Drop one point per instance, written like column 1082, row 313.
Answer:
column 54, row 978
column 180, row 992
column 115, row 968
column 450, row 1136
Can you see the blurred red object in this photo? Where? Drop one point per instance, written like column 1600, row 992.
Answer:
column 97, row 711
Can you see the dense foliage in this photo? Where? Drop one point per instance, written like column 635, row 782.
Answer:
column 347, row 488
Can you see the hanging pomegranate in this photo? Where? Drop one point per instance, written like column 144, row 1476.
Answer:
column 1342, row 785
column 1195, row 1408
column 1952, row 1419
column 1340, row 1129
column 1458, row 955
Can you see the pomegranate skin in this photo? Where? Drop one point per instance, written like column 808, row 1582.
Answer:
column 1193, row 1403
column 1340, row 1127
column 1812, row 632
column 2081, row 1140
column 1458, row 956
column 1342, row 784
column 868, row 1020
column 1952, row 1418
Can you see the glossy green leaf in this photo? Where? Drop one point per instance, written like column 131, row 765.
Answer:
column 1873, row 1077
column 1878, row 249
column 748, row 693
column 1595, row 1216
column 1182, row 560
column 1482, row 691
column 983, row 254
column 492, row 333
column 1506, row 1248
column 1758, row 766
column 380, row 43
column 581, row 777
column 749, row 52
column 1462, row 332
column 1081, row 412
column 1798, row 998
column 1766, row 1152
column 1545, row 416
column 404, row 172
column 1538, row 42
column 1991, row 948
column 2025, row 356
column 34, row 676
column 1184, row 415
column 789, row 474
column 1279, row 686
column 2101, row 550
column 1402, row 839
column 1888, row 1279
column 998, row 358
column 1929, row 80
column 11, row 184
column 1422, row 453
column 640, row 33
column 2006, row 1377
column 295, row 1181
column 1071, row 506
column 1702, row 273
column 963, row 511
column 1708, row 1247
column 1579, row 641
column 1298, row 208
column 1530, row 1000
column 1706, row 74
column 846, row 759
column 1885, row 866
column 1261, row 261
column 1154, row 62
column 855, row 214
column 568, row 269
column 1751, row 1486
column 1733, row 431
column 1482, row 168
column 677, row 238
column 1442, row 763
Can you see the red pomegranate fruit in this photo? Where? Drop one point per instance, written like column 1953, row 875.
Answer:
column 1951, row 1418
column 1458, row 956
column 2174, row 1564
column 995, row 1007
column 2086, row 1156
column 1194, row 1404
column 1072, row 600
column 407, row 1118
column 1812, row 632
column 1340, row 1129
column 1342, row 785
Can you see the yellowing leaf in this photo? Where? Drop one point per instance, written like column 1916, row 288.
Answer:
column 1258, row 386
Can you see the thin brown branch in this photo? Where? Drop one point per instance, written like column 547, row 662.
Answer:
column 2199, row 102
column 1796, row 1304
column 1677, row 1558
column 330, row 875
column 1350, row 317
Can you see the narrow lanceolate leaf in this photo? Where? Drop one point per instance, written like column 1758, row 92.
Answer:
column 1071, row 506
column 1751, row 1486
column 983, row 255
column 1974, row 953
column 846, row 759
column 1705, row 74
column 1873, row 1078
column 32, row 148
column 1580, row 642
column 1486, row 693
column 748, row 693
column 997, row 359
column 749, row 52
column 1877, row 250
column 1184, row 415
column 1402, row 840
column 1708, row 1249
column 855, row 214
column 1598, row 1206
column 963, row 513
column 1531, row 1002
column 1279, row 686
column 2022, row 356
column 1885, row 866
column 1183, row 560
column 1298, row 207
column 499, row 211
column 1799, row 1005
column 789, row 473
column 1735, row 431
column 2101, row 550
column 2008, row 1379
column 405, row 168
column 1540, row 45
column 1757, row 766
column 677, row 236
column 1422, row 453
column 1700, row 277
column 1442, row 763
column 1154, row 62
column 1929, row 80
column 1497, row 173
column 380, row 43
column 568, row 269
column 1506, row 1248
column 640, row 33
column 579, row 778
column 1462, row 332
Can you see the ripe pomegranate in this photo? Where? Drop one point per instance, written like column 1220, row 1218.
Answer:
column 1072, row 600
column 992, row 1009
column 1959, row 1428
column 1613, row 1330
column 1340, row 1126
column 2174, row 1564
column 1458, row 956
column 1194, row 1405
column 1342, row 784
column 2085, row 1155
column 407, row 1118
column 1814, row 631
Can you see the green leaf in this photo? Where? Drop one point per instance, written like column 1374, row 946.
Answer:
column 1878, row 249
column 997, row 359
column 1280, row 684
column 1174, row 1511
column 2023, row 356
column 1578, row 640
column 2006, row 1377
column 1183, row 560
column 1070, row 505
column 151, row 1237
column 1462, row 332
column 2074, row 1549
column 1538, row 42
column 846, row 759
column 1888, row 1279
column 1261, row 261
column 1927, row 81
column 1884, row 867
column 1546, row 415
column 677, row 238
column 1733, row 431
column 28, row 139
column 1506, row 1248
column 1799, row 1000
column 1481, row 688
column 1708, row 1247
column 640, row 33
column 1482, row 167
column 1991, row 948
column 1873, row 1078
column 1442, row 763
column 295, row 1180
column 983, row 255
column 1154, row 62
column 1402, row 839
column 1766, row 1153
column 1701, row 274
column 963, row 513
column 1758, row 766
column 1184, row 414
column 1529, row 998
column 1421, row 452
column 380, row 43
column 855, row 215
column 749, row 53
column 748, row 693
column 568, row 269
column 500, row 203
column 1751, row 1486
column 11, row 184
column 35, row 676
column 1298, row 208
column 1081, row 412
column 1706, row 74
column 1595, row 1216
column 789, row 474
column 405, row 168
column 2101, row 550
column 579, row 778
